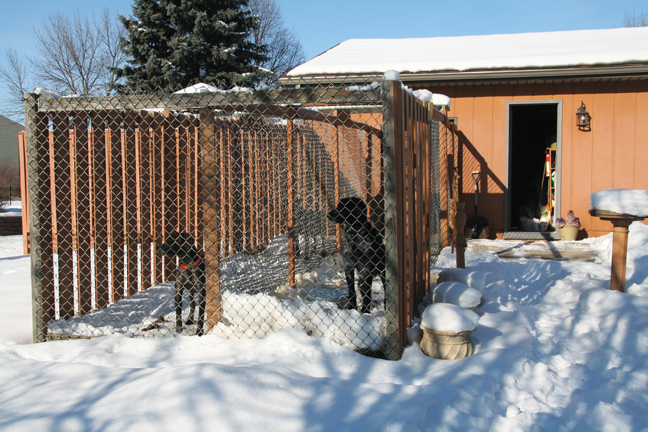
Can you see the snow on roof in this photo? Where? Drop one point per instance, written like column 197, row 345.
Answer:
column 46, row 94
column 206, row 88
column 199, row 88
column 465, row 53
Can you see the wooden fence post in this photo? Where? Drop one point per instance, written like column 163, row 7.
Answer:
column 24, row 188
column 210, row 186
column 392, row 123
column 291, row 205
column 42, row 271
column 336, row 183
column 460, row 239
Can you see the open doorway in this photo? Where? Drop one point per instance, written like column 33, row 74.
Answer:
column 533, row 162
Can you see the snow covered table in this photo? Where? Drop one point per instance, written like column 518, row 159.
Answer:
column 621, row 207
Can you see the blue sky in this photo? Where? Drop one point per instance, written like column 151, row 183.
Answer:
column 321, row 25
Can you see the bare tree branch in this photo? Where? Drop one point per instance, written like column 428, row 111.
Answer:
column 284, row 50
column 75, row 55
column 633, row 19
column 68, row 54
column 110, row 31
column 15, row 78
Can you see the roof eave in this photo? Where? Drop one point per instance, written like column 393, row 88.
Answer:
column 603, row 71
column 530, row 73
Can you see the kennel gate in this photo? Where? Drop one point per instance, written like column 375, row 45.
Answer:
column 251, row 175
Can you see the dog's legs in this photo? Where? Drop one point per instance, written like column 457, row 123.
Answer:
column 192, row 307
column 365, row 280
column 201, row 289
column 350, row 279
column 202, row 301
column 384, row 287
column 178, row 307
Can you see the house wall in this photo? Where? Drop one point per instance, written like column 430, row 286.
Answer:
column 613, row 155
column 9, row 141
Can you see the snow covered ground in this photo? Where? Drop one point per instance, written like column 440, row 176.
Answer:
column 555, row 350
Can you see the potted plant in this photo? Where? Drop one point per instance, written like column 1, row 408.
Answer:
column 569, row 226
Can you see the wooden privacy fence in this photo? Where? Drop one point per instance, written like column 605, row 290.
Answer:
column 251, row 176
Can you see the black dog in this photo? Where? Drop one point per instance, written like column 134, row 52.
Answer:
column 363, row 251
column 190, row 276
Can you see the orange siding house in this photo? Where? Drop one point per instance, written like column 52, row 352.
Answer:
column 514, row 100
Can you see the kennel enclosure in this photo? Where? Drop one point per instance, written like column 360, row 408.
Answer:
column 251, row 175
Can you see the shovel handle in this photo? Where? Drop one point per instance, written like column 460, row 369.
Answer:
column 475, row 176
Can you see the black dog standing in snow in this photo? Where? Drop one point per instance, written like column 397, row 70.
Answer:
column 190, row 276
column 363, row 251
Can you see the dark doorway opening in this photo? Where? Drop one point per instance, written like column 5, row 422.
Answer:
column 532, row 180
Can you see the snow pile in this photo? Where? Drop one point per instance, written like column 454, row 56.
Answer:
column 368, row 87
column 426, row 96
column 556, row 350
column 456, row 293
column 10, row 212
column 15, row 289
column 449, row 318
column 255, row 303
column 437, row 99
column 391, row 75
column 46, row 94
column 258, row 315
column 636, row 258
column 207, row 88
column 623, row 201
column 199, row 88
column 315, row 305
column 129, row 316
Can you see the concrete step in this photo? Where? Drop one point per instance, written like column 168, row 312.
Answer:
column 541, row 249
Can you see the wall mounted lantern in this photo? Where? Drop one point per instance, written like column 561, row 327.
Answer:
column 583, row 118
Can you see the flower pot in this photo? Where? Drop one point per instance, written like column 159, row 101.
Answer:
column 447, row 346
column 568, row 232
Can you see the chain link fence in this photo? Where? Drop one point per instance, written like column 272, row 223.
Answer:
column 315, row 207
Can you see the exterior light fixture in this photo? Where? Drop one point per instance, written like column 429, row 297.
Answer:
column 583, row 118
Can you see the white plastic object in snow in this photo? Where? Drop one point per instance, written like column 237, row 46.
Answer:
column 472, row 278
column 456, row 293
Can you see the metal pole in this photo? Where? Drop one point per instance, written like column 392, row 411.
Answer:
column 39, row 323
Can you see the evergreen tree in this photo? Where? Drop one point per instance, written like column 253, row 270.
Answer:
column 173, row 44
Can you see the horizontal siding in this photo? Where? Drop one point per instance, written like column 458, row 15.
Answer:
column 9, row 141
column 613, row 154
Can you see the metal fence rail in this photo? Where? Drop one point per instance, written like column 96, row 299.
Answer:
column 251, row 176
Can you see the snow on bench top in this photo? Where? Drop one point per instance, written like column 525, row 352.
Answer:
column 623, row 201
column 449, row 318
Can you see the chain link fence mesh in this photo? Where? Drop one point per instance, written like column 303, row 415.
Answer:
column 252, row 177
